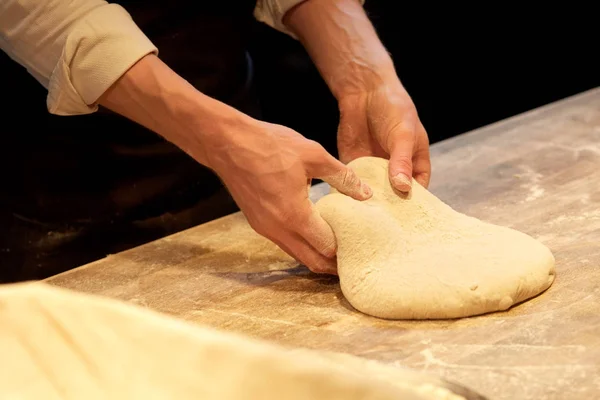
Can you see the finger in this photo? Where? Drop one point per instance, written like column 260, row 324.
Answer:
column 324, row 166
column 422, row 162
column 422, row 169
column 316, row 231
column 301, row 251
column 401, row 155
column 355, row 141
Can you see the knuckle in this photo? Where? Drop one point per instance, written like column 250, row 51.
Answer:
column 403, row 161
column 346, row 176
column 329, row 251
column 314, row 155
column 398, row 131
column 402, row 128
column 258, row 227
column 349, row 178
column 290, row 217
column 265, row 227
column 314, row 147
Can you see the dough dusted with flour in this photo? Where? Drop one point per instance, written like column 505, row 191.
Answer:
column 414, row 257
column 60, row 344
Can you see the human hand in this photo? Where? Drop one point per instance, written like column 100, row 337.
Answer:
column 268, row 170
column 383, row 122
column 378, row 117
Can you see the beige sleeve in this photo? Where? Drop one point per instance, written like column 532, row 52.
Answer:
column 77, row 49
column 271, row 12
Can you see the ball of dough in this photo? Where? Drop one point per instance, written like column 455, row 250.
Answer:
column 411, row 256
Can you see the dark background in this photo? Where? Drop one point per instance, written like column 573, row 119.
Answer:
column 463, row 68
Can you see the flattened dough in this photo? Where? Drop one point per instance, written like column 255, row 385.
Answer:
column 413, row 257
column 60, row 344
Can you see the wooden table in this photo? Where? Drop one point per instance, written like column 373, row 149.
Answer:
column 539, row 173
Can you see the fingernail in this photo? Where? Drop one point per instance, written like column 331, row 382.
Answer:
column 367, row 192
column 401, row 182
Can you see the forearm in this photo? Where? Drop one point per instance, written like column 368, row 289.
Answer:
column 90, row 52
column 343, row 45
column 154, row 96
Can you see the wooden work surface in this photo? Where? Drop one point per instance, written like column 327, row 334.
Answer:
column 539, row 173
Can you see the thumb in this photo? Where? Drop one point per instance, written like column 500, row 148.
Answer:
column 339, row 176
column 401, row 167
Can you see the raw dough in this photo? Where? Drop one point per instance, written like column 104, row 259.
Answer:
column 60, row 344
column 413, row 257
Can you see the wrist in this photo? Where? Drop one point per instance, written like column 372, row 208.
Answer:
column 344, row 45
column 211, row 126
column 355, row 78
column 154, row 96
column 354, row 95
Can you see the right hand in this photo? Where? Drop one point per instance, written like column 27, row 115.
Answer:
column 268, row 170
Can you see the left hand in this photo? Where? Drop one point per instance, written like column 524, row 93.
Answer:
column 383, row 122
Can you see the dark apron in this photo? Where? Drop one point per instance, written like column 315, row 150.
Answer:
column 77, row 188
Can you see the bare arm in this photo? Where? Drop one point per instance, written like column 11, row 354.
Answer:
column 153, row 95
column 265, row 166
column 89, row 52
column 343, row 44
column 378, row 116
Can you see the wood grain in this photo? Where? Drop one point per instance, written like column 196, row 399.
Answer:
column 538, row 172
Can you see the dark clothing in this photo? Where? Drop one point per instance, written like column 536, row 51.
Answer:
column 77, row 188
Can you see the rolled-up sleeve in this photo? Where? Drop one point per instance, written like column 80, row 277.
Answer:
column 271, row 12
column 76, row 48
